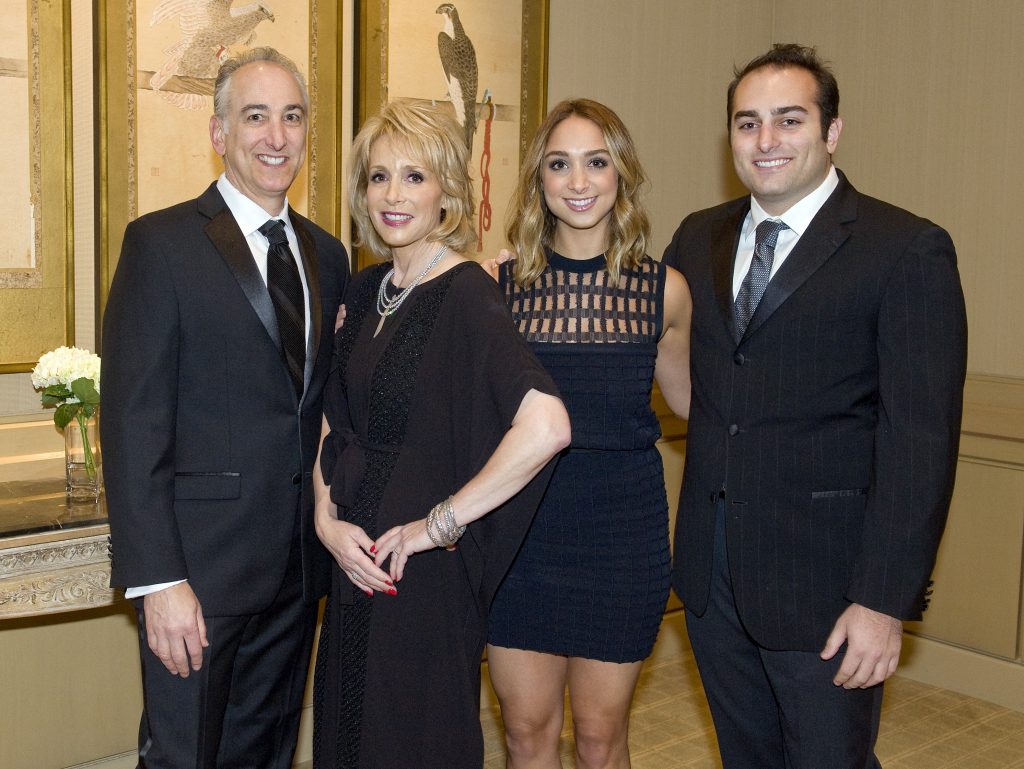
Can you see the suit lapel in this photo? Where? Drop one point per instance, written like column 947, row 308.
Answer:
column 307, row 249
column 826, row 233
column 723, row 258
column 227, row 238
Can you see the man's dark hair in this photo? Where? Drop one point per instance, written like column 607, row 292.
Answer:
column 794, row 55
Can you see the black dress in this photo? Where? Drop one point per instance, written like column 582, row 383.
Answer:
column 592, row 577
column 415, row 412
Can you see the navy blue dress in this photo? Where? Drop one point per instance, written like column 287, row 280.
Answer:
column 592, row 577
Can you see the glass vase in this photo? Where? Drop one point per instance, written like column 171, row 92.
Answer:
column 83, row 460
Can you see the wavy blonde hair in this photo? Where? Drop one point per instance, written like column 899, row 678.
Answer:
column 432, row 137
column 531, row 226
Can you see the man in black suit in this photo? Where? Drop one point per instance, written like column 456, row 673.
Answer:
column 828, row 356
column 217, row 343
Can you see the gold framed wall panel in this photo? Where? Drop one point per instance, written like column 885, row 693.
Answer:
column 399, row 57
column 37, row 268
column 154, row 104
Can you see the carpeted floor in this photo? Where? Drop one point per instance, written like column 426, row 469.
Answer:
column 923, row 727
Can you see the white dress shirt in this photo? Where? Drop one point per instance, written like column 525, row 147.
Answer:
column 797, row 218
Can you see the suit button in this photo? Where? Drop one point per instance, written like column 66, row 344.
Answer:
column 734, row 429
column 738, row 359
column 297, row 478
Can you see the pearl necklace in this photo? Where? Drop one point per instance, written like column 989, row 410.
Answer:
column 388, row 306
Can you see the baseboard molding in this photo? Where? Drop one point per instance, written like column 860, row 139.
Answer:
column 127, row 760
column 303, row 753
column 961, row 670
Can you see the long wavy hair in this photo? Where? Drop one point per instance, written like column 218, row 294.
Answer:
column 531, row 226
column 432, row 137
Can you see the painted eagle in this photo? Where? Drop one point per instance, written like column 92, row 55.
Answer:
column 458, row 57
column 209, row 28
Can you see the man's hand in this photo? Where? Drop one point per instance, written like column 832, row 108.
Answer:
column 339, row 319
column 873, row 642
column 175, row 628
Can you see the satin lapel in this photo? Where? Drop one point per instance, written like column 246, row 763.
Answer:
column 307, row 249
column 723, row 256
column 230, row 243
column 826, row 233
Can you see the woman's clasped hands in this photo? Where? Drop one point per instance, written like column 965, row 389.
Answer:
column 363, row 560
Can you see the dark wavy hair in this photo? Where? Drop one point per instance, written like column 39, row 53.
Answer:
column 784, row 55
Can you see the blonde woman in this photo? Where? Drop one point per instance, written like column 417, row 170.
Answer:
column 582, row 603
column 436, row 418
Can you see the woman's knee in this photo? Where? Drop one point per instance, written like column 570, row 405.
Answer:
column 532, row 733
column 601, row 742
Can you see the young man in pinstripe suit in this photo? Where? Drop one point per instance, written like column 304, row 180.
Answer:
column 828, row 356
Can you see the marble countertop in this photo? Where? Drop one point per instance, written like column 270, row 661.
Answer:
column 53, row 555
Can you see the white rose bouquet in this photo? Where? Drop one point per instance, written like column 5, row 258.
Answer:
column 69, row 379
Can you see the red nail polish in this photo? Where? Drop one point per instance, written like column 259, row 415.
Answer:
column 373, row 548
column 369, row 593
column 392, row 591
column 389, row 583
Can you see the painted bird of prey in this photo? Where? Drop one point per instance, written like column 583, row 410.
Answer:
column 458, row 57
column 209, row 29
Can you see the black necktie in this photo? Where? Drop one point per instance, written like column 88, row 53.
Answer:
column 756, row 280
column 285, row 288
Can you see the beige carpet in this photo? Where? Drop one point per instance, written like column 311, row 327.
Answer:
column 922, row 727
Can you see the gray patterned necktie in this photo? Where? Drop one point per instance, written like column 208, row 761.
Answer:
column 286, row 293
column 756, row 280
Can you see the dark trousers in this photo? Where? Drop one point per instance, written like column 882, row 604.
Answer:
column 776, row 709
column 241, row 710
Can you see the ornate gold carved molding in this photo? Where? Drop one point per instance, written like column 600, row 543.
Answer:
column 55, row 577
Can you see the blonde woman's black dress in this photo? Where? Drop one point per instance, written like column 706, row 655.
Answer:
column 415, row 411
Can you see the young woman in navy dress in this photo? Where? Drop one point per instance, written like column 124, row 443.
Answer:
column 583, row 601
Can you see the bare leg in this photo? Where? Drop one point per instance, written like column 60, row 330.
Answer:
column 600, row 694
column 531, row 690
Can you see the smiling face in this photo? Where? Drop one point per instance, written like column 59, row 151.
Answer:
column 263, row 136
column 580, row 183
column 775, row 133
column 403, row 196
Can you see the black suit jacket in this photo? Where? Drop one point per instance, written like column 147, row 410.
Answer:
column 831, row 428
column 208, row 451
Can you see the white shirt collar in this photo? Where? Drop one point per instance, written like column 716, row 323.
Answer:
column 798, row 217
column 249, row 214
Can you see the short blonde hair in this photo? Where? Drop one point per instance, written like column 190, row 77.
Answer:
column 531, row 226
column 430, row 135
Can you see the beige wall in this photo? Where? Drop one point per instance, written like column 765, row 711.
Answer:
column 663, row 66
column 930, row 96
column 70, row 688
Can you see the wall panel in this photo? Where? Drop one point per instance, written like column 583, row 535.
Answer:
column 664, row 67
column 931, row 122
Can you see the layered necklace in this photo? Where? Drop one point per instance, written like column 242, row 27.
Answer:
column 387, row 305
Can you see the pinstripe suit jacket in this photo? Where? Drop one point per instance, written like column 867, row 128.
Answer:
column 831, row 427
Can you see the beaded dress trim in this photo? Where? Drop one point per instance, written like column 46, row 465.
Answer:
column 573, row 301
